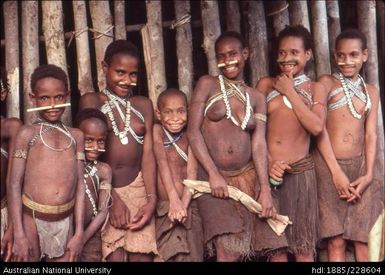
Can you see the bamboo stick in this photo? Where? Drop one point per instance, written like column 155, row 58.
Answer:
column 82, row 47
column 103, row 34
column 184, row 49
column 233, row 17
column 334, row 26
column 298, row 13
column 30, row 36
column 279, row 12
column 152, row 37
column 211, row 31
column 120, row 20
column 367, row 24
column 257, row 40
column 11, row 35
column 54, row 41
column 35, row 109
column 321, row 42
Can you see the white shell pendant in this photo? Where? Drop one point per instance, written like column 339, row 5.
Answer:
column 123, row 138
column 287, row 102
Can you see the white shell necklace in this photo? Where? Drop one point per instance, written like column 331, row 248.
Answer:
column 90, row 171
column 225, row 98
column 63, row 130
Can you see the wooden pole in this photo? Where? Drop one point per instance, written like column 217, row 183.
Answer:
column 233, row 17
column 120, row 20
column 102, row 33
column 54, row 41
column 367, row 24
column 11, row 35
column 321, row 42
column 82, row 48
column 211, row 31
column 334, row 26
column 381, row 46
column 152, row 37
column 298, row 13
column 279, row 12
column 184, row 49
column 30, row 36
column 257, row 40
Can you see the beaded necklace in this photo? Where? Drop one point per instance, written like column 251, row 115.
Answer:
column 172, row 141
column 50, row 126
column 351, row 89
column 225, row 92
column 90, row 171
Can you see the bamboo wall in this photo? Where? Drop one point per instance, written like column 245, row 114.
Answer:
column 176, row 40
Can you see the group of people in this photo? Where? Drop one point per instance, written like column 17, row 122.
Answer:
column 113, row 188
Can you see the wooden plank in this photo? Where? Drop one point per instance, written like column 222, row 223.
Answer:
column 278, row 10
column 233, row 16
column 120, row 20
column 299, row 14
column 334, row 26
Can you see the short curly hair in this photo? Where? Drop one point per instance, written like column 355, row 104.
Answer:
column 48, row 70
column 352, row 34
column 297, row 31
column 89, row 113
column 120, row 46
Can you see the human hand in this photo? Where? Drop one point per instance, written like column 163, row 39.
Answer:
column 74, row 247
column 6, row 245
column 142, row 217
column 119, row 214
column 266, row 201
column 277, row 169
column 22, row 250
column 218, row 186
column 177, row 212
column 341, row 183
column 284, row 83
column 359, row 186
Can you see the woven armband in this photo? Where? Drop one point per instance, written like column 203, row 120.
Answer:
column 105, row 185
column 261, row 117
column 80, row 156
column 20, row 153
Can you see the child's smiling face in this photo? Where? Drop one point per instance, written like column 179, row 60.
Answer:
column 95, row 134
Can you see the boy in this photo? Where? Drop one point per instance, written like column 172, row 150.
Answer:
column 178, row 224
column 295, row 112
column 46, row 193
column 350, row 197
column 9, row 128
column 97, row 182
column 131, row 231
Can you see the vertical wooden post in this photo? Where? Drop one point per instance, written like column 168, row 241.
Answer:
column 280, row 14
column 321, row 42
column 152, row 37
column 298, row 13
column 381, row 46
column 257, row 40
column 54, row 41
column 82, row 47
column 211, row 31
column 30, row 36
column 233, row 17
column 334, row 26
column 367, row 24
column 184, row 49
column 102, row 33
column 11, row 37
column 120, row 20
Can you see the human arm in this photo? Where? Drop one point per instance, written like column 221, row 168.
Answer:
column 192, row 174
column 74, row 245
column 145, row 213
column 218, row 184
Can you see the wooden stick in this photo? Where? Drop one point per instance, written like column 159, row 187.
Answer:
column 48, row 107
column 82, row 48
column 257, row 39
column 232, row 62
column 321, row 42
column 11, row 35
column 30, row 54
column 211, row 31
column 101, row 21
column 91, row 149
column 233, row 17
column 184, row 49
column 119, row 19
column 334, row 26
column 54, row 41
column 298, row 13
column 152, row 37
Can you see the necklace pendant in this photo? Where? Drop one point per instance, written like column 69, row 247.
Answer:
column 287, row 102
column 123, row 138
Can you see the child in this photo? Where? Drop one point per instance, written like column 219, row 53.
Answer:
column 97, row 180
column 46, row 188
column 295, row 112
column 9, row 128
column 129, row 153
column 226, row 131
column 178, row 224
column 350, row 199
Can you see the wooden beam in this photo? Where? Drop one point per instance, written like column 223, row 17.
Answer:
column 298, row 13
column 82, row 48
column 11, row 34
column 280, row 14
column 120, row 20
column 152, row 37
column 233, row 17
column 211, row 31
column 102, row 29
column 30, row 53
column 334, row 26
column 184, row 49
column 321, row 42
